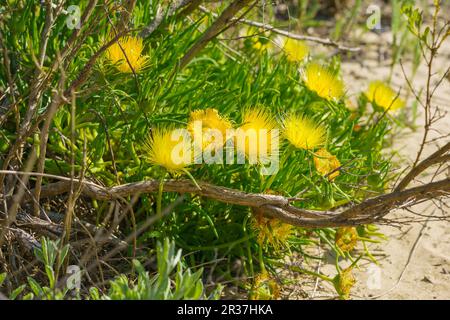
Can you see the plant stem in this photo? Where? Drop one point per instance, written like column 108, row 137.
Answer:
column 160, row 192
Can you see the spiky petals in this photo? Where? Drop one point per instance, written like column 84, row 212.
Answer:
column 126, row 55
column 383, row 96
column 169, row 148
column 213, row 126
column 303, row 132
column 326, row 163
column 324, row 82
column 257, row 135
column 295, row 50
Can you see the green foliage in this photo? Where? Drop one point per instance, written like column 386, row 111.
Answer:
column 171, row 282
column 16, row 292
column 115, row 113
column 52, row 256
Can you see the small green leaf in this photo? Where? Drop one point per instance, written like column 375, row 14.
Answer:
column 35, row 287
column 16, row 292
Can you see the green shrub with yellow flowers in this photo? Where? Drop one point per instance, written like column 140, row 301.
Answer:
column 118, row 130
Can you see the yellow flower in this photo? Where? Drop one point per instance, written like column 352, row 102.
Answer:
column 257, row 134
column 383, row 96
column 169, row 148
column 325, row 163
column 126, row 54
column 295, row 50
column 323, row 81
column 346, row 238
column 264, row 288
column 258, row 39
column 303, row 133
column 271, row 231
column 212, row 123
column 343, row 283
column 262, row 44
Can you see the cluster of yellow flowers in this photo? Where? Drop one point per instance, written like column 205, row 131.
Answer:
column 327, row 85
column 302, row 132
column 320, row 79
column 127, row 56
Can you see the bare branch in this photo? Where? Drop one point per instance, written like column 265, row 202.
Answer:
column 268, row 27
column 436, row 157
column 368, row 211
column 221, row 23
column 147, row 31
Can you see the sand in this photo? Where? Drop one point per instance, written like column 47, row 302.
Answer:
column 414, row 263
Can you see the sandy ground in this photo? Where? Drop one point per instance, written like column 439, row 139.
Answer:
column 414, row 263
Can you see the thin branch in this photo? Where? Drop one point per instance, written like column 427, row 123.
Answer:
column 268, row 27
column 127, row 10
column 194, row 4
column 39, row 76
column 27, row 128
column 159, row 17
column 56, row 101
column 436, row 157
column 215, row 29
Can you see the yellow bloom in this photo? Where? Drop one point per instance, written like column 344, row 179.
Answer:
column 257, row 134
column 259, row 39
column 303, row 133
column 296, row 50
column 346, row 238
column 264, row 288
column 323, row 81
column 343, row 283
column 211, row 123
column 271, row 231
column 262, row 44
column 325, row 163
column 383, row 96
column 169, row 148
column 126, row 54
